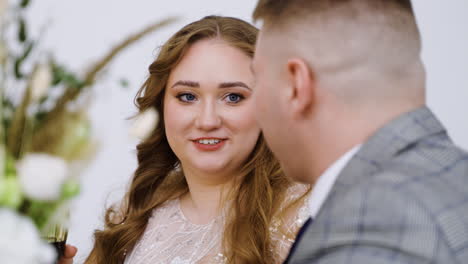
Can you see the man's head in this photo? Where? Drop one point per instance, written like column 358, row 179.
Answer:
column 331, row 72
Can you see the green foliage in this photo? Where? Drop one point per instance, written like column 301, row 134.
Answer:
column 24, row 3
column 70, row 189
column 45, row 125
column 19, row 60
column 124, row 83
column 62, row 76
column 11, row 195
column 40, row 116
column 7, row 114
column 10, row 192
column 41, row 211
column 18, row 73
column 22, row 36
column 10, row 169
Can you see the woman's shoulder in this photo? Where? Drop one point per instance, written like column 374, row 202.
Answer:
column 294, row 209
column 297, row 191
column 293, row 212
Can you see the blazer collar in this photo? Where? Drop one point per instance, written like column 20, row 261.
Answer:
column 394, row 137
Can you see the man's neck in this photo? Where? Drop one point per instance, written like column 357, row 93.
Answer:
column 330, row 156
column 346, row 133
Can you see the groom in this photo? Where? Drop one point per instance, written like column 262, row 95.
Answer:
column 340, row 90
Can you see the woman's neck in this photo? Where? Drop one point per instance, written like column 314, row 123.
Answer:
column 206, row 196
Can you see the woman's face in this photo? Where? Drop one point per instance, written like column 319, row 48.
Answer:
column 208, row 109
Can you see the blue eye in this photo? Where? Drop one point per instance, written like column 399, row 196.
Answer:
column 186, row 97
column 234, row 98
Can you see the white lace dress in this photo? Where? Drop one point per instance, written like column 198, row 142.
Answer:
column 170, row 238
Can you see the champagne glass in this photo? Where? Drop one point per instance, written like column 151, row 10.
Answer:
column 57, row 237
column 56, row 231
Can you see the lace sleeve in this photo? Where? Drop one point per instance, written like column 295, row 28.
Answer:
column 293, row 213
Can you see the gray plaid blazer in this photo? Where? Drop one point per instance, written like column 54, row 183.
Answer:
column 403, row 198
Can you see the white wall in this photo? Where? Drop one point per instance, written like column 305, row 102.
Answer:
column 83, row 30
column 445, row 53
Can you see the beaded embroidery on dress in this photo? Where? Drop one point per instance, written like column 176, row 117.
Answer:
column 170, row 238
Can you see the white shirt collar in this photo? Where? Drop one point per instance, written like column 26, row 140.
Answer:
column 326, row 181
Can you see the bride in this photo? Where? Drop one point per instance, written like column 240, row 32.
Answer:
column 207, row 188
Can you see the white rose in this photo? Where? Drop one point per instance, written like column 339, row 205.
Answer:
column 40, row 82
column 20, row 242
column 41, row 176
column 144, row 124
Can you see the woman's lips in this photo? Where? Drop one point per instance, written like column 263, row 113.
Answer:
column 209, row 144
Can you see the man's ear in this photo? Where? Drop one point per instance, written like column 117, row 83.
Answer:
column 303, row 86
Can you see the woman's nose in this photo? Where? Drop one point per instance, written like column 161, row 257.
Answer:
column 208, row 117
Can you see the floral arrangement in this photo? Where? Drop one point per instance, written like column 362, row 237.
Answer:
column 45, row 135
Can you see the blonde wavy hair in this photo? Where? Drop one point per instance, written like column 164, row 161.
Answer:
column 256, row 197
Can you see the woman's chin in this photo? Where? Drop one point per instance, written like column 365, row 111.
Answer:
column 211, row 167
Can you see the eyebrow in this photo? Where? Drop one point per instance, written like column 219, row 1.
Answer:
column 233, row 84
column 186, row 83
column 221, row 85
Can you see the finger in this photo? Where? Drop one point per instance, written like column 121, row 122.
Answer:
column 70, row 251
column 65, row 261
column 68, row 254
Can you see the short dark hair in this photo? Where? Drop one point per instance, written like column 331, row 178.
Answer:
column 341, row 38
column 279, row 11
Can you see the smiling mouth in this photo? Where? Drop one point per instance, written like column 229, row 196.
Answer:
column 208, row 141
column 209, row 144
